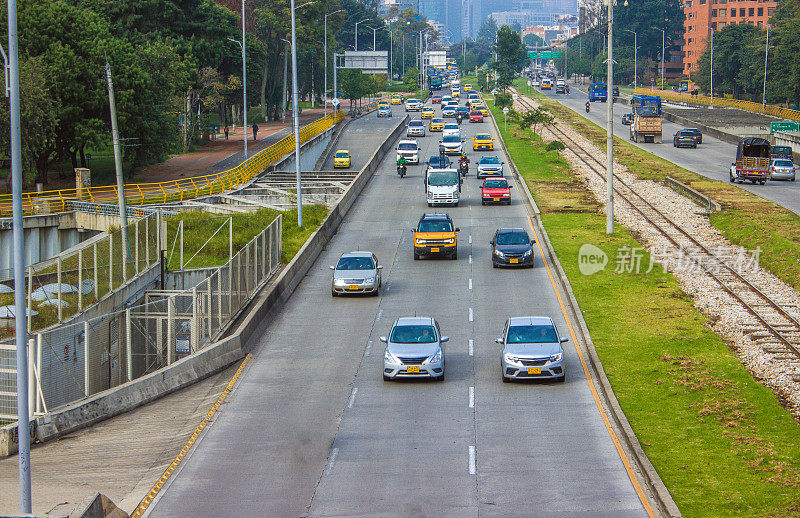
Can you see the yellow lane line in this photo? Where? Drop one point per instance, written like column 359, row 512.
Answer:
column 622, row 455
column 145, row 503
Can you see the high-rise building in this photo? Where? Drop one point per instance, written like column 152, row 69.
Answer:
column 704, row 16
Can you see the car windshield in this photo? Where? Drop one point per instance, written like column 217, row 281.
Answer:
column 531, row 334
column 414, row 101
column 495, row 184
column 355, row 263
column 437, row 121
column 435, row 226
column 483, row 136
column 415, row 123
column 342, row 154
column 783, row 163
column 475, row 113
column 440, row 178
column 490, row 160
column 451, row 138
column 512, row 238
column 413, row 335
column 437, row 161
column 407, row 146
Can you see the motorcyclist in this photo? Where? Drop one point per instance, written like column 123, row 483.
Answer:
column 463, row 164
column 401, row 165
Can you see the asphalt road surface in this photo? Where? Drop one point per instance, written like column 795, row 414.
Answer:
column 313, row 430
column 711, row 159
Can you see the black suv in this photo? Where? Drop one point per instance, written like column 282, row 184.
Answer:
column 696, row 133
column 512, row 247
column 684, row 138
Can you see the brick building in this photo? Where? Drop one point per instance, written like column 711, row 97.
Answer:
column 703, row 16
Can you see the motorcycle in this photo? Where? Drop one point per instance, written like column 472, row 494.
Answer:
column 587, row 106
column 463, row 167
column 401, row 170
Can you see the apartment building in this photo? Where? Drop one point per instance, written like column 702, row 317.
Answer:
column 703, row 16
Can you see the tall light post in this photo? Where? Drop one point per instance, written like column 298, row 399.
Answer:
column 244, row 89
column 610, row 124
column 391, row 51
column 326, row 58
column 635, row 57
column 20, row 317
column 663, row 38
column 356, row 32
column 374, row 32
column 766, row 61
column 711, row 75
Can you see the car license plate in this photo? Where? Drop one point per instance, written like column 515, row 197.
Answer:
column 434, row 249
column 495, row 199
column 415, row 369
column 354, row 286
column 514, row 261
column 534, row 370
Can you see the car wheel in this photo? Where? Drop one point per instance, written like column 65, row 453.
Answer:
column 454, row 256
column 505, row 380
column 441, row 378
column 386, row 378
column 483, row 202
column 334, row 294
column 416, row 256
column 731, row 177
column 792, row 178
column 562, row 379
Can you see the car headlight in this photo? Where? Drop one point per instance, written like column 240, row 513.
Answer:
column 369, row 281
column 498, row 253
column 450, row 241
column 556, row 357
column 506, row 195
column 421, row 241
column 510, row 359
column 527, row 253
column 436, row 358
column 339, row 282
column 389, row 358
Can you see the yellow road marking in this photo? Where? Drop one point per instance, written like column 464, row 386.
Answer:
column 145, row 503
column 620, row 451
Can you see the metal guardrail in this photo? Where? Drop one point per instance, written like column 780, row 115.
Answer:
column 694, row 195
column 173, row 190
column 768, row 109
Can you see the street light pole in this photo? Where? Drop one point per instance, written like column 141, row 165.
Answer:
column 766, row 60
column 326, row 58
column 712, row 59
column 635, row 58
column 296, row 118
column 244, row 88
column 356, row 32
column 20, row 317
column 391, row 51
column 663, row 37
column 610, row 125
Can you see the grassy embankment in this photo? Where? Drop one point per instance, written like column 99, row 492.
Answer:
column 721, row 442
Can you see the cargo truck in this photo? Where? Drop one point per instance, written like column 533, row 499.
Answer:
column 752, row 161
column 646, row 125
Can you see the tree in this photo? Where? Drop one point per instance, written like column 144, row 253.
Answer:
column 532, row 118
column 511, row 56
column 734, row 49
column 532, row 40
column 784, row 73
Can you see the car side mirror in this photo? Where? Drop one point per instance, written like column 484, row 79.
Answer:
column 333, row 267
column 384, row 339
column 445, row 339
column 510, row 186
column 380, row 267
column 499, row 340
column 458, row 229
column 533, row 241
column 564, row 339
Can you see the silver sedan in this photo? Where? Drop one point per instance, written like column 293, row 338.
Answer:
column 414, row 349
column 531, row 349
column 782, row 169
column 356, row 272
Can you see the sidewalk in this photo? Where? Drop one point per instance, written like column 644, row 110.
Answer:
column 219, row 155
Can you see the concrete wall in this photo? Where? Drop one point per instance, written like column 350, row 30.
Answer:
column 310, row 153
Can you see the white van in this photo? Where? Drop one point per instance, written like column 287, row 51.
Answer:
column 442, row 187
column 408, row 149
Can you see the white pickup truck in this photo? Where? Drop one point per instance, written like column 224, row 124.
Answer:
column 442, row 187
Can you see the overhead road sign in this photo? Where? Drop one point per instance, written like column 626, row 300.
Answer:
column 368, row 61
column 784, row 126
column 548, row 54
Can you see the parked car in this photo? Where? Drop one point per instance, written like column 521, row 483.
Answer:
column 512, row 247
column 414, row 349
column 356, row 272
column 384, row 110
column 683, row 138
column 415, row 128
column 531, row 349
column 782, row 169
column 495, row 190
column 490, row 166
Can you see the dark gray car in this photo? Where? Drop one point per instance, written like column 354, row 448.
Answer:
column 512, row 247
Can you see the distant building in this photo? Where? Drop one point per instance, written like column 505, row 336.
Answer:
column 551, row 33
column 703, row 16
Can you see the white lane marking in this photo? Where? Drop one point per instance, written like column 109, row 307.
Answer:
column 470, row 258
column 471, row 347
column 471, row 460
column 470, row 239
column 388, row 286
column 470, row 284
column 472, row 397
column 352, row 398
column 380, row 312
column 369, row 346
column 470, row 314
column 335, row 452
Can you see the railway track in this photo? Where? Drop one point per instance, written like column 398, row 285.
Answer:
column 775, row 330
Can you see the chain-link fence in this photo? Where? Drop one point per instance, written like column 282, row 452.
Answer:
column 74, row 361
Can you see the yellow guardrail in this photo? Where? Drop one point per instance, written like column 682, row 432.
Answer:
column 768, row 109
column 173, row 190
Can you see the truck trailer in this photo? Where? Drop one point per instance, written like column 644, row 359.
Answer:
column 752, row 161
column 646, row 125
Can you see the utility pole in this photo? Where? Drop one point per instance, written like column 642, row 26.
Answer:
column 610, row 125
column 663, row 36
column 20, row 317
column 296, row 117
column 123, row 210
column 766, row 58
column 635, row 57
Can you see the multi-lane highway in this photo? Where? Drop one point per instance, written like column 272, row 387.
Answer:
column 313, row 430
column 711, row 159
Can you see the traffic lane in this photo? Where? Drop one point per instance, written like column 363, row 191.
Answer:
column 358, row 137
column 402, row 447
column 711, row 159
column 266, row 449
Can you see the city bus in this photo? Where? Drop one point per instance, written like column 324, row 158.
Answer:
column 598, row 92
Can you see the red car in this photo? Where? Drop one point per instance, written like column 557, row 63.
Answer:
column 495, row 190
column 436, row 99
column 475, row 116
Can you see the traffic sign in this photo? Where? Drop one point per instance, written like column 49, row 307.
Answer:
column 546, row 55
column 514, row 96
column 494, row 91
column 505, row 110
column 530, row 83
column 784, row 126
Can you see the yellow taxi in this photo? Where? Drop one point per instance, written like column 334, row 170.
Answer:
column 427, row 113
column 455, row 94
column 383, row 102
column 341, row 159
column 467, row 87
column 483, row 109
column 474, row 104
column 397, row 99
column 436, row 125
column 482, row 141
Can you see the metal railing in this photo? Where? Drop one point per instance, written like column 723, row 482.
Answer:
column 768, row 109
column 174, row 190
column 72, row 362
